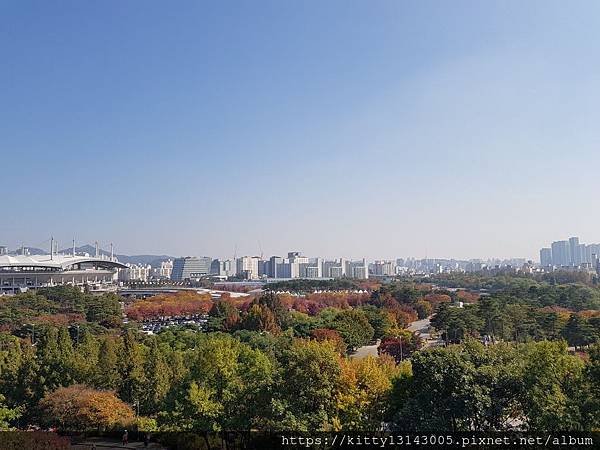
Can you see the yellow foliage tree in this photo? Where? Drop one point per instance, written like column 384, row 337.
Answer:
column 364, row 391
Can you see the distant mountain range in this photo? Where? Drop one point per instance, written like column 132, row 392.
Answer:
column 153, row 260
column 32, row 251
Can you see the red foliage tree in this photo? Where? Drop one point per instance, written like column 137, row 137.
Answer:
column 400, row 347
column 325, row 334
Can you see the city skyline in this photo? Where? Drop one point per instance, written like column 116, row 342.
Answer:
column 377, row 129
column 66, row 247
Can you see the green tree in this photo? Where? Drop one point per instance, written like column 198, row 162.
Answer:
column 7, row 415
column 157, row 380
column 177, row 367
column 223, row 316
column 590, row 395
column 55, row 353
column 381, row 321
column 85, row 358
column 442, row 394
column 107, row 374
column 10, row 362
column 354, row 327
column 423, row 308
column 227, row 389
column 465, row 387
column 307, row 403
column 131, row 370
column 551, row 379
column 303, row 324
column 578, row 332
column 104, row 309
column 30, row 385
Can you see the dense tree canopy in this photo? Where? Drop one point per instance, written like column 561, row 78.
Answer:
column 281, row 362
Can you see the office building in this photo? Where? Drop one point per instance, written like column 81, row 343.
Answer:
column 190, row 267
column 223, row 267
column 272, row 267
column 247, row 267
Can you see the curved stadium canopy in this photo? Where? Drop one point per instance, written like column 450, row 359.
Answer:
column 58, row 262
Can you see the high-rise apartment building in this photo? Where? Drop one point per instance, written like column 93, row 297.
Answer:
column 135, row 272
column 164, row 270
column 578, row 256
column 561, row 253
column 384, row 268
column 357, row 269
column 569, row 253
column 590, row 250
column 546, row 257
column 573, row 251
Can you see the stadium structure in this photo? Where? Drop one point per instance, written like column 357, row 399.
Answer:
column 20, row 273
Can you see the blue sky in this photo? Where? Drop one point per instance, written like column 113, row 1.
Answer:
column 377, row 129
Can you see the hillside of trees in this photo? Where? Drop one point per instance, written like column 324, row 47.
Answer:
column 281, row 362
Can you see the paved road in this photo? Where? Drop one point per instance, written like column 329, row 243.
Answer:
column 104, row 444
column 422, row 326
column 367, row 350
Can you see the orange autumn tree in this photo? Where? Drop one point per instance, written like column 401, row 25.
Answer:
column 435, row 299
column 467, row 297
column 261, row 318
column 79, row 407
column 170, row 305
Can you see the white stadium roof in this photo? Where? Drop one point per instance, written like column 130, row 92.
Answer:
column 61, row 262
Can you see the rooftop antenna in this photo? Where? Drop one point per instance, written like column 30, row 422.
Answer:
column 261, row 250
column 51, row 247
column 97, row 249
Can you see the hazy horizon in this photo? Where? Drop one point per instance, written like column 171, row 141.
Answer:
column 67, row 246
column 371, row 129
